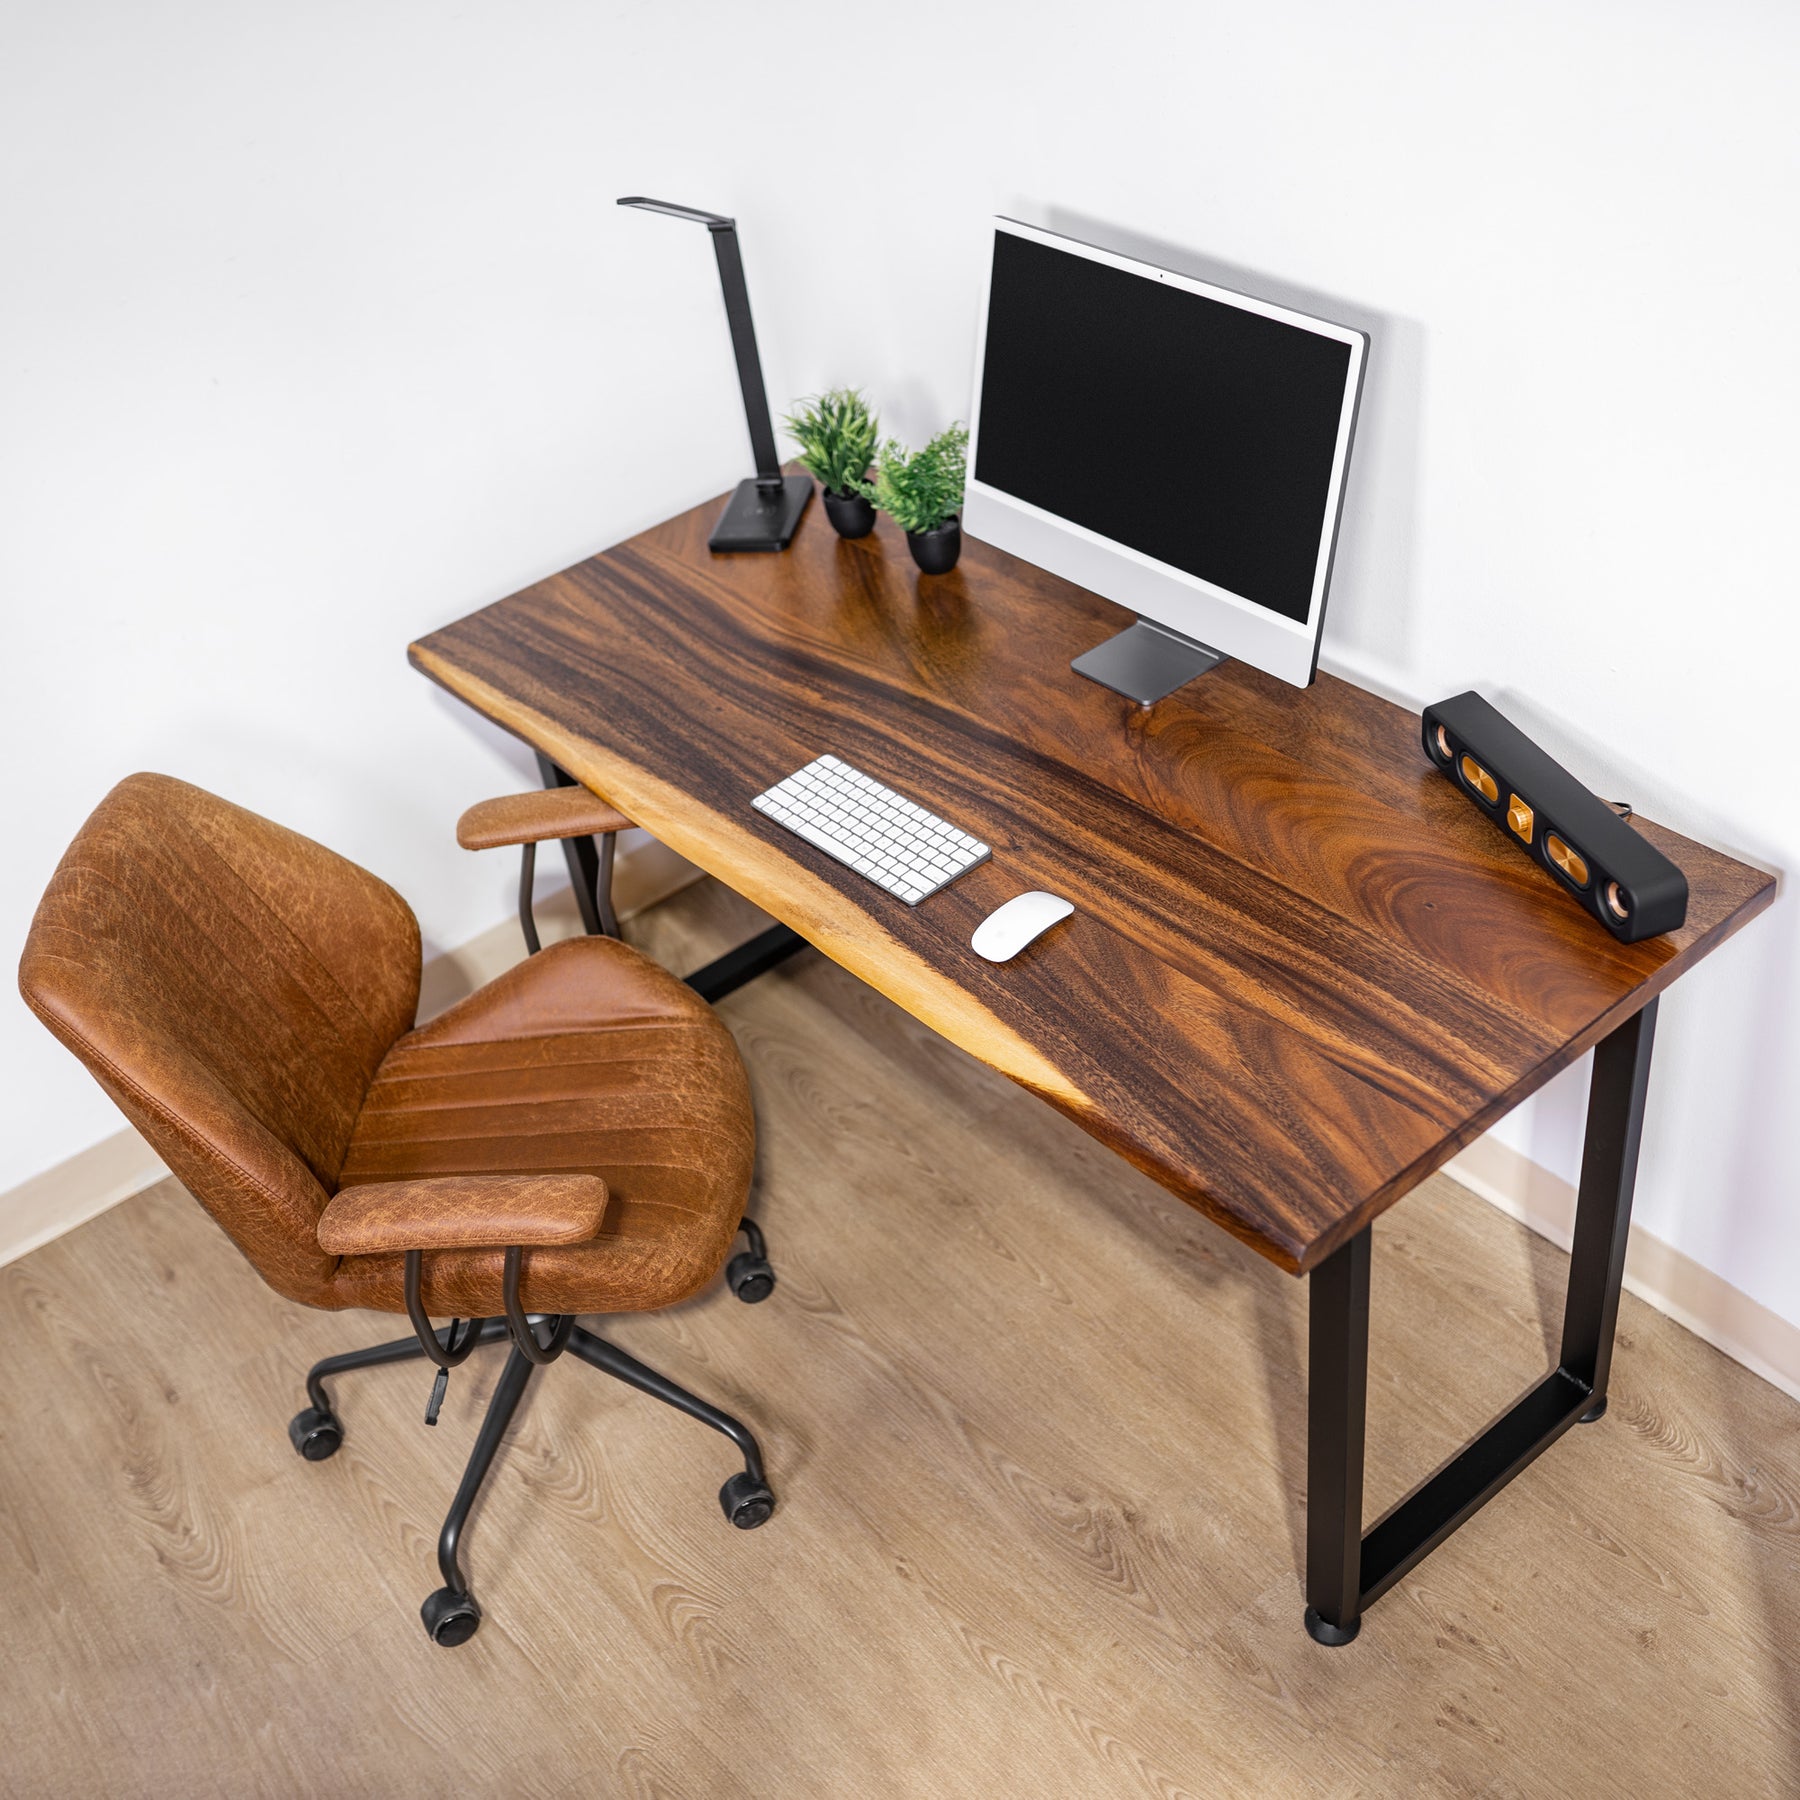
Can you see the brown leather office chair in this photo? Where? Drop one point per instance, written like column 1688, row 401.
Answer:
column 576, row 1137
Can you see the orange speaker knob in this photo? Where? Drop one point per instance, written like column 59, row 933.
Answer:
column 1519, row 817
column 1571, row 862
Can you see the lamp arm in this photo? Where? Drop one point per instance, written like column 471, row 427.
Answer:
column 743, row 345
column 762, row 513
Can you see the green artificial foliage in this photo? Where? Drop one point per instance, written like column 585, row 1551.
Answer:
column 837, row 435
column 920, row 491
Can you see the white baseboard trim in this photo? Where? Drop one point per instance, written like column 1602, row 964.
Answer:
column 1671, row 1281
column 84, row 1186
column 75, row 1191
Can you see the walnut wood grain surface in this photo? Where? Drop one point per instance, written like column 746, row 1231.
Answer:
column 1302, row 972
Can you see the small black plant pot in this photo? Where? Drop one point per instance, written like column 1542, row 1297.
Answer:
column 936, row 551
column 851, row 515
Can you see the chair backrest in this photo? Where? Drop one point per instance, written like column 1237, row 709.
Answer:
column 233, row 986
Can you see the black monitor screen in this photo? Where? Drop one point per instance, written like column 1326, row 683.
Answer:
column 1189, row 429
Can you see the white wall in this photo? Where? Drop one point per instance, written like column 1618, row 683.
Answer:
column 320, row 328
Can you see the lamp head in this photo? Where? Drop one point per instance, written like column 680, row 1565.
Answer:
column 712, row 221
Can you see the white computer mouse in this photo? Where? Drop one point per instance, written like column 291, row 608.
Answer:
column 1009, row 928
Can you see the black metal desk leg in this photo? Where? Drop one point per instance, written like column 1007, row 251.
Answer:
column 591, row 871
column 1336, row 1404
column 585, row 865
column 1615, row 1127
column 1347, row 1570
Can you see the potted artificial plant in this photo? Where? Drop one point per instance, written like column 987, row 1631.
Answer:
column 837, row 433
column 921, row 493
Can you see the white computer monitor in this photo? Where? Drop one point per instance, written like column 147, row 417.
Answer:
column 1172, row 445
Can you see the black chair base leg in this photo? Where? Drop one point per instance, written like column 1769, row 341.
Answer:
column 451, row 1615
column 317, row 1431
column 746, row 1499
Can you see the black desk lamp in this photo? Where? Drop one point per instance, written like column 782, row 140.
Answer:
column 765, row 511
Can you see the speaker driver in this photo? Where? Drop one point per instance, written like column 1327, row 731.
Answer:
column 1571, row 862
column 1480, row 780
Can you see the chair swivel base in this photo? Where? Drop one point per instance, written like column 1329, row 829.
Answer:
column 451, row 1615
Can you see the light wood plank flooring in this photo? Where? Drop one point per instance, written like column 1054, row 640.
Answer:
column 1037, row 1432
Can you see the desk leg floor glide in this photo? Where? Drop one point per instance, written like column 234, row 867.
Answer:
column 1348, row 1569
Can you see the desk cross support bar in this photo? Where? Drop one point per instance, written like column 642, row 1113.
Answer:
column 1348, row 1569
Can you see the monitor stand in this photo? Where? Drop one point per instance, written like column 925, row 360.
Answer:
column 1145, row 662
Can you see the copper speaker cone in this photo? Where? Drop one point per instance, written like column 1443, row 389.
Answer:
column 1570, row 861
column 1616, row 903
column 1479, row 779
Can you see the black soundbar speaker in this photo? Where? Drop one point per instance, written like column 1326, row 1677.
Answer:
column 1590, row 849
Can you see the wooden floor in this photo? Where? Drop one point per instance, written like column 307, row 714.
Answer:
column 1037, row 1431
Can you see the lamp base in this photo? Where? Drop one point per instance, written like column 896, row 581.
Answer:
column 755, row 520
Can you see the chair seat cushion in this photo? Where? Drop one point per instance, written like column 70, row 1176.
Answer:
column 587, row 1058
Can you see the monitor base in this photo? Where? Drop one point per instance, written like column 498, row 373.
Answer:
column 755, row 519
column 1146, row 662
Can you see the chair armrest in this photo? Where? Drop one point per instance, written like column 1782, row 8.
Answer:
column 536, row 818
column 462, row 1212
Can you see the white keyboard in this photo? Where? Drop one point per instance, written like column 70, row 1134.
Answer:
column 871, row 829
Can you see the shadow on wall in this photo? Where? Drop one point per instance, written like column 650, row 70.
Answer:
column 1373, row 603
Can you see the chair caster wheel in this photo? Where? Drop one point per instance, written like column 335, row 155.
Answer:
column 750, row 1277
column 450, row 1619
column 747, row 1501
column 316, row 1435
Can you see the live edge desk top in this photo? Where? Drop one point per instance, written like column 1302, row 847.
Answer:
column 1302, row 972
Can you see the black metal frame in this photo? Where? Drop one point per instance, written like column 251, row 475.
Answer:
column 590, row 871
column 1348, row 1569
column 726, row 974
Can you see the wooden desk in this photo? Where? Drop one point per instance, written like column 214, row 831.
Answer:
column 1302, row 973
